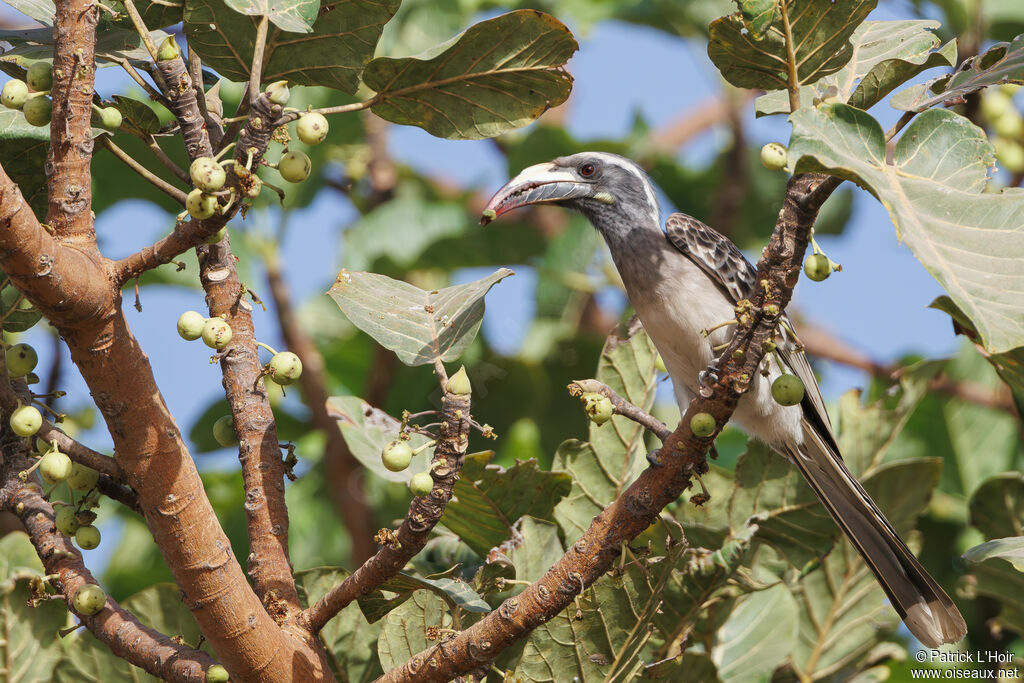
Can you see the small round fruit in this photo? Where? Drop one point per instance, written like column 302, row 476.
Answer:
column 207, row 174
column 421, row 484
column 217, row 674
column 216, row 333
column 817, row 267
column 1010, row 154
column 89, row 599
column 312, row 128
column 21, row 359
column 1009, row 88
column 224, row 431
column 396, row 456
column 110, row 118
column 83, row 478
column 217, row 236
column 788, row 390
column 702, row 425
column 38, row 110
column 26, row 420
column 598, row 407
column 285, row 368
column 40, row 76
column 14, row 94
column 55, row 467
column 1010, row 125
column 996, row 104
column 190, row 325
column 66, row 521
column 87, row 537
column 200, row 205
column 294, row 166
column 773, row 156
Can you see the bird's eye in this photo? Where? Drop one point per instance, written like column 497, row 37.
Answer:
column 587, row 170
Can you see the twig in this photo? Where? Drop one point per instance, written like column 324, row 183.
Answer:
column 153, row 179
column 153, row 93
column 621, row 406
column 343, row 470
column 327, row 111
column 114, row 626
column 793, row 79
column 682, row 457
column 423, row 515
column 256, row 70
column 140, row 28
column 195, row 71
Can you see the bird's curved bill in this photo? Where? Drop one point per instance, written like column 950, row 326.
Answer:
column 540, row 184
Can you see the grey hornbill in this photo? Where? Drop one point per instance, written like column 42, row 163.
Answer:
column 686, row 279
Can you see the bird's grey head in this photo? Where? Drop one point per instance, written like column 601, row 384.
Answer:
column 610, row 190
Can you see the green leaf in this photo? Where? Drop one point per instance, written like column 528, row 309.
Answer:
column 821, row 33
column 1009, row 549
column 350, row 641
column 155, row 14
column 885, row 55
column 997, row 507
column 499, row 75
column 536, row 551
column 40, row 10
column 456, row 593
column 759, row 634
column 36, row 44
column 367, row 430
column 489, row 500
column 1001, row 63
column 30, row 648
column 615, row 453
column 23, row 149
column 1009, row 365
column 758, row 15
column 333, row 55
column 404, row 631
column 296, row 16
column 16, row 313
column 969, row 240
column 419, row 326
column 160, row 607
column 401, row 230
column 138, row 117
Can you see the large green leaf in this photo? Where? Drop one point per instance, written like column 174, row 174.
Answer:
column 112, row 44
column 350, row 641
column 997, row 510
column 367, row 430
column 604, row 465
column 30, row 647
column 333, row 55
column 411, row 628
column 1002, row 63
column 419, row 326
column 490, row 499
column 885, row 54
column 457, row 593
column 971, row 241
column 23, row 149
column 499, row 75
column 296, row 16
column 821, row 32
column 1010, row 549
column 759, row 634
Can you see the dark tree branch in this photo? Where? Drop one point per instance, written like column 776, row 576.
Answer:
column 621, row 406
column 423, row 515
column 681, row 456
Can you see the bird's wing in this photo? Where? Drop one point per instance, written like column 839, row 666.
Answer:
column 729, row 269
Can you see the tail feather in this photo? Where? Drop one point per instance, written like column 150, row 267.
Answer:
column 922, row 604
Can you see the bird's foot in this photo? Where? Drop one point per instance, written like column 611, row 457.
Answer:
column 708, row 378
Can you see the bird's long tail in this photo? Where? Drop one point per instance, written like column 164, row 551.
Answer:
column 922, row 604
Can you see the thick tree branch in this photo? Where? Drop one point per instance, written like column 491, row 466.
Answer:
column 114, row 626
column 343, row 470
column 423, row 515
column 682, row 456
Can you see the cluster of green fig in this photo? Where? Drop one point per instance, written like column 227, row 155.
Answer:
column 216, row 332
column 397, row 455
column 21, row 360
column 1006, row 122
column 31, row 97
column 312, row 128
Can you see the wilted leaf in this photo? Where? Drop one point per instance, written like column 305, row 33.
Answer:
column 419, row 326
column 333, row 55
column 759, row 634
column 1009, row 366
column 885, row 55
column 499, row 75
column 969, row 240
column 350, row 641
column 1001, row 63
column 489, row 500
column 821, row 32
column 367, row 430
column 615, row 453
column 412, row 628
column 456, row 593
column 296, row 16
column 1009, row 549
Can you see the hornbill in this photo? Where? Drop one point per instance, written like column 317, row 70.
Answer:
column 683, row 281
